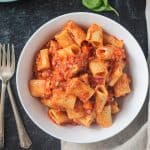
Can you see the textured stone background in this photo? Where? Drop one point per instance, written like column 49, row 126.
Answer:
column 19, row 20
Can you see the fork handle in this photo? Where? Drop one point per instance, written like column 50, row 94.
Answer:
column 2, row 103
column 24, row 139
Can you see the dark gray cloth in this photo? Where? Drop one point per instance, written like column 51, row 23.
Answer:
column 19, row 20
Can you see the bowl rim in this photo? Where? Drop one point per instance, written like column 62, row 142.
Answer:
column 21, row 56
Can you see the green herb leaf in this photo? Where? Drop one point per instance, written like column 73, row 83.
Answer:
column 105, row 2
column 91, row 4
column 113, row 9
column 100, row 9
column 99, row 6
column 105, row 8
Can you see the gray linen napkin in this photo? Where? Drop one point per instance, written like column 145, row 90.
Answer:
column 147, row 13
column 138, row 142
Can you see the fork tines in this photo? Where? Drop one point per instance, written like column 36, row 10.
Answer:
column 7, row 56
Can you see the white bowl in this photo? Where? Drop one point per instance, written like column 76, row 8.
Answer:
column 132, row 103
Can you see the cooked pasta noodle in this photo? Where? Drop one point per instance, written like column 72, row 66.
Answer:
column 79, row 74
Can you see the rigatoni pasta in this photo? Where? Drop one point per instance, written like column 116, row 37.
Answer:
column 84, row 93
column 104, row 118
column 79, row 75
column 77, row 33
column 44, row 62
column 100, row 98
column 64, row 38
column 98, row 67
column 59, row 117
column 95, row 35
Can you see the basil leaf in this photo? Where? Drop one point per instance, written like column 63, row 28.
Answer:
column 110, row 8
column 91, row 4
column 100, row 9
column 99, row 6
column 104, row 8
column 105, row 2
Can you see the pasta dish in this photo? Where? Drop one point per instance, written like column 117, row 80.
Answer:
column 80, row 74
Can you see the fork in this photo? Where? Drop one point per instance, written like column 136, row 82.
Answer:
column 7, row 69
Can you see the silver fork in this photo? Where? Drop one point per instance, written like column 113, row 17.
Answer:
column 7, row 69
